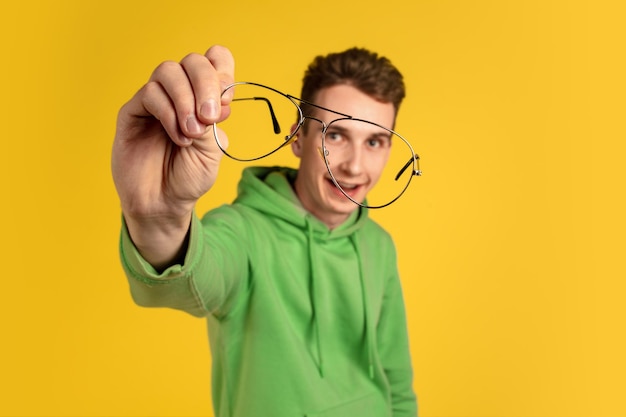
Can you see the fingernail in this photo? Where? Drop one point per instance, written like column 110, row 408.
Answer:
column 209, row 109
column 193, row 126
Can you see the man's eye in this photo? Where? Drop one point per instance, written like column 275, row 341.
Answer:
column 334, row 136
column 378, row 142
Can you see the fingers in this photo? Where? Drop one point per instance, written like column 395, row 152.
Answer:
column 187, row 96
column 157, row 103
column 224, row 63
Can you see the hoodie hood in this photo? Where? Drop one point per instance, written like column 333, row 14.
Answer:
column 270, row 190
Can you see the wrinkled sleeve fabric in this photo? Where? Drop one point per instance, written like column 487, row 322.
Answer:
column 213, row 270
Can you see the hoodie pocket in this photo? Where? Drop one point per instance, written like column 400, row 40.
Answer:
column 372, row 405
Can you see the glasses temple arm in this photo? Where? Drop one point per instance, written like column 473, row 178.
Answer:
column 271, row 109
column 404, row 168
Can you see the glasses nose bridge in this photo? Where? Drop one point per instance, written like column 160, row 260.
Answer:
column 320, row 121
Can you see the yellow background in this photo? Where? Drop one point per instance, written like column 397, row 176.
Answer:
column 511, row 245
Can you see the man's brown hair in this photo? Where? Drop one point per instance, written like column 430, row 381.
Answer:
column 360, row 68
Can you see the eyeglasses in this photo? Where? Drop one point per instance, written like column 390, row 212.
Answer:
column 271, row 114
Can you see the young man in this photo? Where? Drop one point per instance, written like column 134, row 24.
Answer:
column 299, row 287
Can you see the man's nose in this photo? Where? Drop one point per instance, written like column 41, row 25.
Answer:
column 352, row 161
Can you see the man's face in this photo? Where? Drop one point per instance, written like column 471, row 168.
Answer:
column 356, row 171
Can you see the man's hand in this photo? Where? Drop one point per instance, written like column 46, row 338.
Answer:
column 164, row 155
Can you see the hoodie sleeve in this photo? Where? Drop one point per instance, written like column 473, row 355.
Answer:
column 393, row 345
column 205, row 283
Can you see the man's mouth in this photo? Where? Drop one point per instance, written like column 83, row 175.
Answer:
column 349, row 188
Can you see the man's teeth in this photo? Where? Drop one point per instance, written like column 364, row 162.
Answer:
column 346, row 186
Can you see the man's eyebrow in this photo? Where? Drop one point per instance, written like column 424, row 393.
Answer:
column 341, row 128
column 382, row 134
column 338, row 127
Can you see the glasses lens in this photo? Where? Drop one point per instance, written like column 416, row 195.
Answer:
column 259, row 123
column 362, row 156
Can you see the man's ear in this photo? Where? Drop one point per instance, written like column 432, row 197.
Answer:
column 296, row 146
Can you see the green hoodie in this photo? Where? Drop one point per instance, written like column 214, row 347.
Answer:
column 302, row 320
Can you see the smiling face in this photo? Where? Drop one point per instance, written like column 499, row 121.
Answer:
column 357, row 168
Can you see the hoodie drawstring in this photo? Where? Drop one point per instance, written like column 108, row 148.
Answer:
column 369, row 333
column 314, row 299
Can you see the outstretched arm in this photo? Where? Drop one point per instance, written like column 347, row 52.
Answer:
column 164, row 155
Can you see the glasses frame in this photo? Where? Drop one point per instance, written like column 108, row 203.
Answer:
column 413, row 162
